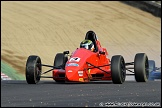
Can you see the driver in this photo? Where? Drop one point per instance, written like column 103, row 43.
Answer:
column 87, row 44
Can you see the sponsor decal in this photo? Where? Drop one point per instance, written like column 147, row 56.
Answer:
column 80, row 73
column 80, row 79
column 72, row 64
column 74, row 59
column 70, row 71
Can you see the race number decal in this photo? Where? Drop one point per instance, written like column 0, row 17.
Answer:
column 74, row 59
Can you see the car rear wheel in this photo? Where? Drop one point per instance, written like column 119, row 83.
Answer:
column 141, row 67
column 33, row 69
column 118, row 70
column 60, row 60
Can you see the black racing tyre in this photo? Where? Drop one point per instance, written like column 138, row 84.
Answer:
column 118, row 70
column 141, row 67
column 33, row 69
column 60, row 60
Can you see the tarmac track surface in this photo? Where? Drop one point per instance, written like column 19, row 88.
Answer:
column 46, row 28
column 50, row 27
column 94, row 94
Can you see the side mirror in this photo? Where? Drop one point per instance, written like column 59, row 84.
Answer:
column 66, row 52
column 101, row 52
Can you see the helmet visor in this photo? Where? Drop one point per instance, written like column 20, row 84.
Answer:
column 84, row 46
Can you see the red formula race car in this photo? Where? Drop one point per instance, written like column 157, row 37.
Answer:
column 85, row 65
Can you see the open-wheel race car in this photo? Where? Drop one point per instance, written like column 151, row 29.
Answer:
column 85, row 65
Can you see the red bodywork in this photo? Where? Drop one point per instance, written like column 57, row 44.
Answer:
column 77, row 68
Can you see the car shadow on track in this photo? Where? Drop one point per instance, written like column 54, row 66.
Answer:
column 63, row 83
column 53, row 82
column 92, row 82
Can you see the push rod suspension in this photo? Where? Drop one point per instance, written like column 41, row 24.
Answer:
column 98, row 67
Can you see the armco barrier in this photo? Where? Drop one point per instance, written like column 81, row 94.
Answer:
column 148, row 6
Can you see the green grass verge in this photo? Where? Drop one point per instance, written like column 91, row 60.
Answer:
column 11, row 72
